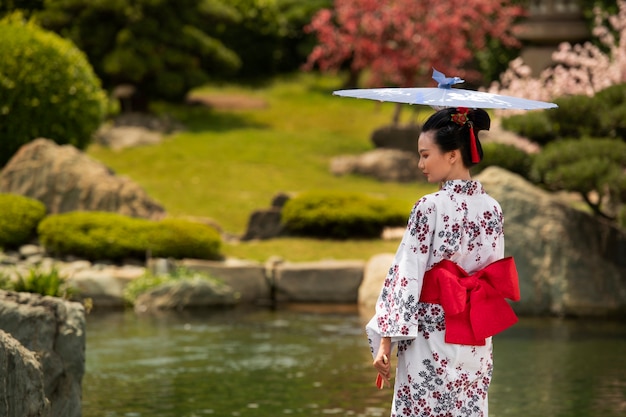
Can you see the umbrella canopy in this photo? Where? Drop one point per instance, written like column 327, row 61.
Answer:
column 445, row 96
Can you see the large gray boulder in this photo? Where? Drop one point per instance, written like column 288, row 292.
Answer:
column 54, row 330
column 65, row 179
column 21, row 381
column 402, row 137
column 331, row 281
column 376, row 269
column 569, row 262
column 246, row 278
column 383, row 164
column 188, row 294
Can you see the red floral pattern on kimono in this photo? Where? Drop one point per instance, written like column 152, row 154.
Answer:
column 461, row 223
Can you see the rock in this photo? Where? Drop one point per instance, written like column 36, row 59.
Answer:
column 374, row 275
column 54, row 330
column 402, row 138
column 65, row 179
column 186, row 295
column 569, row 262
column 104, row 285
column 21, row 381
column 325, row 281
column 30, row 250
column 264, row 224
column 280, row 200
column 247, row 278
column 122, row 137
column 382, row 164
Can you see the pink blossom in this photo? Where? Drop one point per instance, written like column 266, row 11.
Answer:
column 577, row 69
column 397, row 42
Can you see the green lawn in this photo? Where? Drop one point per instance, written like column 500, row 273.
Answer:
column 231, row 162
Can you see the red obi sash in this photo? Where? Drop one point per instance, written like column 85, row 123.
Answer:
column 474, row 305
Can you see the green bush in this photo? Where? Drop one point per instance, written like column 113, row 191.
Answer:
column 576, row 117
column 5, row 281
column 603, row 115
column 48, row 89
column 339, row 215
column 586, row 166
column 162, row 48
column 43, row 282
column 534, row 125
column 505, row 156
column 100, row 235
column 175, row 238
column 611, row 111
column 19, row 217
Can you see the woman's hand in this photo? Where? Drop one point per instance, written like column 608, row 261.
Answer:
column 382, row 363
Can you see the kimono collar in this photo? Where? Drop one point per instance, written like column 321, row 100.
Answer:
column 467, row 187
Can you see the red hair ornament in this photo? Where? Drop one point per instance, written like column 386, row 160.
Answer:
column 462, row 119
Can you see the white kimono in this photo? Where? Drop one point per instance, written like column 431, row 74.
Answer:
column 463, row 224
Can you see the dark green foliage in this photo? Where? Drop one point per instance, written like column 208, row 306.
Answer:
column 610, row 109
column 100, row 235
column 26, row 6
column 603, row 115
column 621, row 220
column 576, row 116
column 160, row 47
column 19, row 217
column 47, row 89
column 586, row 166
column 337, row 215
column 269, row 36
column 505, row 156
column 535, row 125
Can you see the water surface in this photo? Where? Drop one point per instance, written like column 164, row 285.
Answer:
column 311, row 362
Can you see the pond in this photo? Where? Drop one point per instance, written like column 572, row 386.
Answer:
column 311, row 361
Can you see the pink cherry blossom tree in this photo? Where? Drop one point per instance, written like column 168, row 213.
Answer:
column 398, row 42
column 577, row 69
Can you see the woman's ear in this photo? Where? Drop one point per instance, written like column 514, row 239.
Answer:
column 452, row 156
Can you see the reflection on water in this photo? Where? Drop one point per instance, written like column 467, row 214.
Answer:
column 287, row 362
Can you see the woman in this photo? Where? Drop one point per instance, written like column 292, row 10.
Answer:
column 444, row 295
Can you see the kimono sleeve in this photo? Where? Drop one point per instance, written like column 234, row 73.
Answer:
column 397, row 305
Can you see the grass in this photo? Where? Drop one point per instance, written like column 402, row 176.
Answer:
column 229, row 163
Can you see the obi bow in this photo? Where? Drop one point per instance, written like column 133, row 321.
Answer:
column 474, row 305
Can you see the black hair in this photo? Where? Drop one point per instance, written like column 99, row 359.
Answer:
column 451, row 136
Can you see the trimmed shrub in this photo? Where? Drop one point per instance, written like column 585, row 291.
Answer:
column 535, row 126
column 339, row 215
column 48, row 89
column 101, row 235
column 505, row 156
column 19, row 217
column 576, row 116
column 176, row 238
column 587, row 166
column 611, row 111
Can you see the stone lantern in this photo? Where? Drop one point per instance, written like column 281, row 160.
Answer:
column 548, row 24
